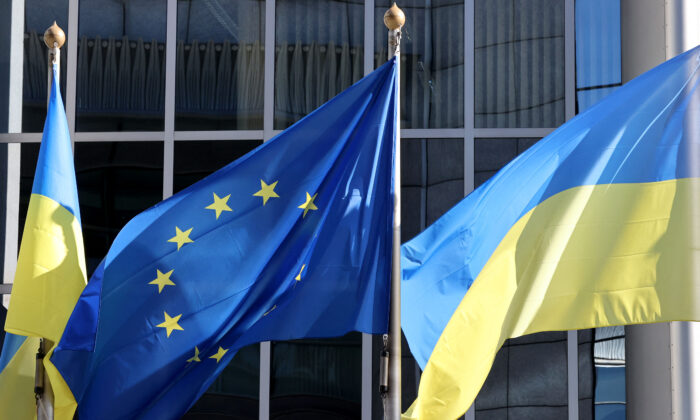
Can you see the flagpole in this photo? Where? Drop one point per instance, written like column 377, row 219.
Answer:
column 394, row 19
column 54, row 38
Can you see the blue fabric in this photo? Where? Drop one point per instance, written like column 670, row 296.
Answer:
column 258, row 272
column 10, row 345
column 54, row 168
column 651, row 122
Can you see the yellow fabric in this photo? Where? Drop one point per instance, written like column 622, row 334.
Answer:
column 50, row 277
column 50, row 271
column 17, row 383
column 591, row 256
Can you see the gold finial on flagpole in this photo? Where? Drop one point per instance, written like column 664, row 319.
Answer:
column 54, row 35
column 394, row 18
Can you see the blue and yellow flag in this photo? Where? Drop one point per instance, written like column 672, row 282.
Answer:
column 50, row 271
column 292, row 240
column 596, row 225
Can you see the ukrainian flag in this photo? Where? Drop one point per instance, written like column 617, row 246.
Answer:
column 596, row 225
column 50, row 272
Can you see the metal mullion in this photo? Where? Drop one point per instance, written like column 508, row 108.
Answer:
column 220, row 135
column 169, row 108
column 72, row 65
column 120, row 136
column 435, row 133
column 268, row 133
column 512, row 132
column 366, row 381
column 14, row 125
column 469, row 115
column 20, row 137
column 570, row 112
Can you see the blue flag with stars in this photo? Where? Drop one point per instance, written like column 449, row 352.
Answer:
column 292, row 240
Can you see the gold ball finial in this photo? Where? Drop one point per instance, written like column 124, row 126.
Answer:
column 394, row 18
column 54, row 35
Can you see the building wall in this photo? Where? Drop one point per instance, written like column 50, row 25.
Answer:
column 160, row 93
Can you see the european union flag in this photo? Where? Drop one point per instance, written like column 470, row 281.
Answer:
column 293, row 240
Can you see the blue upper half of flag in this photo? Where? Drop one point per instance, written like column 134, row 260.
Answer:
column 293, row 240
column 55, row 173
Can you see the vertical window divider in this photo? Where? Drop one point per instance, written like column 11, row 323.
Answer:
column 72, row 66
column 570, row 112
column 469, row 115
column 268, row 133
column 368, row 67
column 169, row 108
column 14, row 125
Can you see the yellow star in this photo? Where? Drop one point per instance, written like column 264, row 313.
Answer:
column 170, row 324
column 181, row 237
column 309, row 204
column 219, row 354
column 266, row 191
column 163, row 280
column 298, row 277
column 219, row 205
column 194, row 358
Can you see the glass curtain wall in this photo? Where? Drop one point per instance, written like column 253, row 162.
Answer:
column 474, row 95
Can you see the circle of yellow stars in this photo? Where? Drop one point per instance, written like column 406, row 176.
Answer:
column 220, row 205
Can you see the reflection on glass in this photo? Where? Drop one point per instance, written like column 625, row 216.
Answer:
column 196, row 159
column 29, row 154
column 220, row 64
column 116, row 181
column 528, row 380
column 38, row 16
column 432, row 61
column 432, row 181
column 598, row 50
column 234, row 394
column 490, row 155
column 518, row 63
column 121, row 65
column 318, row 54
column 320, row 379
column 609, row 353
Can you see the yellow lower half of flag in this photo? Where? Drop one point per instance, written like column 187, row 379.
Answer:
column 50, row 277
column 591, row 256
column 50, row 271
column 17, row 383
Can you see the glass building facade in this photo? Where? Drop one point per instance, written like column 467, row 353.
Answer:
column 161, row 93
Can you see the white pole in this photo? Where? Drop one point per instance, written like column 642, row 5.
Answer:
column 54, row 38
column 394, row 20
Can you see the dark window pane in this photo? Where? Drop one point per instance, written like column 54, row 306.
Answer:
column 234, row 394
column 220, row 64
column 38, row 16
column 28, row 157
column 490, row 155
column 318, row 54
column 196, row 159
column 519, row 63
column 528, row 379
column 317, row 379
column 432, row 181
column 432, row 61
column 121, row 65
column 116, row 181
